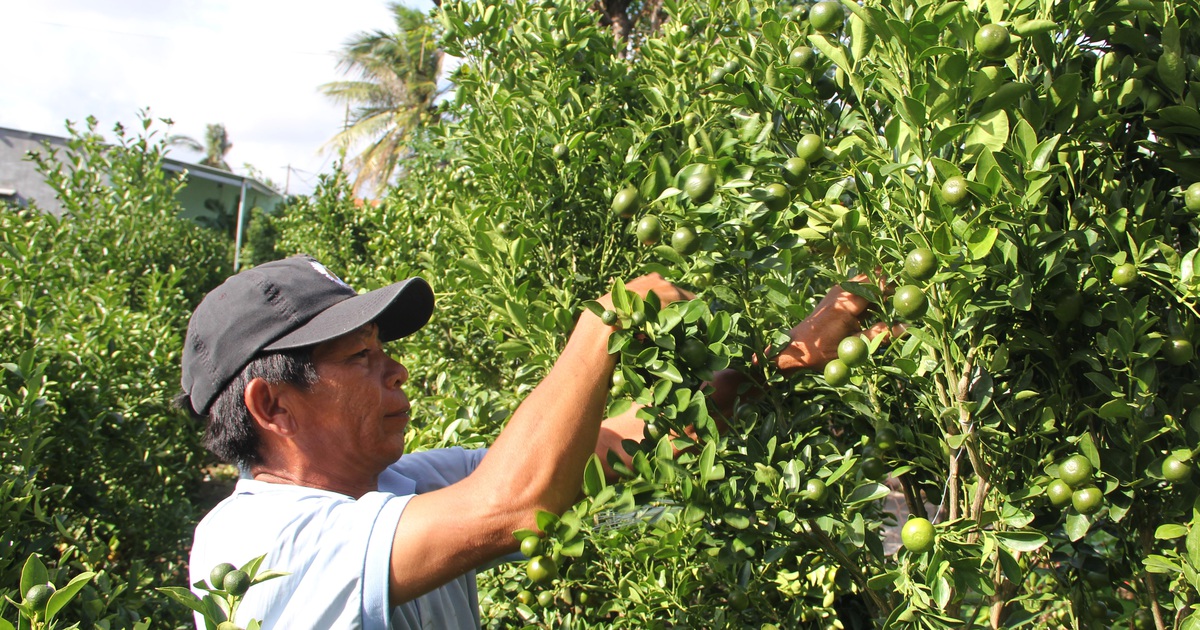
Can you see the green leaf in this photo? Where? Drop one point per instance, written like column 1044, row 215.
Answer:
column 1160, row 564
column 546, row 520
column 1033, row 27
column 1193, row 544
column 1077, row 526
column 1021, row 541
column 1170, row 531
column 575, row 548
column 668, row 253
column 990, row 132
column 834, row 52
column 867, row 492
column 64, row 595
column 593, row 476
column 736, row 520
column 33, row 573
column 620, row 297
column 185, row 597
column 1087, row 446
column 980, row 242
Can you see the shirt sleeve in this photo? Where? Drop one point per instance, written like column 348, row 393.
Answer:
column 436, row 469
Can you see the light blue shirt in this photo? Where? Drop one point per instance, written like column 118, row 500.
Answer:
column 336, row 550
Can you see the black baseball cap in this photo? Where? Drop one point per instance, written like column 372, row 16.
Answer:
column 282, row 305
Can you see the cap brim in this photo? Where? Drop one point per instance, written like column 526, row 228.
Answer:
column 399, row 310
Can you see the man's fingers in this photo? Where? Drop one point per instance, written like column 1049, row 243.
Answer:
column 656, row 284
column 882, row 328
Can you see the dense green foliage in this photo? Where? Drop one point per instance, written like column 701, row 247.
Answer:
column 96, row 470
column 1073, row 141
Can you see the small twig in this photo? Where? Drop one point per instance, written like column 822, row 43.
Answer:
column 1148, row 578
column 880, row 607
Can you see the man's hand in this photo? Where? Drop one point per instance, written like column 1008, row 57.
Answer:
column 652, row 283
column 815, row 340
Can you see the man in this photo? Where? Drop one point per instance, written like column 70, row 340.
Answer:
column 287, row 364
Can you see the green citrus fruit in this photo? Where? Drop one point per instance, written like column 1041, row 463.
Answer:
column 691, row 120
column 917, row 535
column 1191, row 197
column 216, row 577
column 685, row 240
column 731, row 66
column 810, row 147
column 694, row 353
column 886, row 438
column 228, row 625
column 778, row 196
column 909, row 302
column 837, row 373
column 1087, row 500
column 559, row 151
column 1068, row 307
column 609, row 317
column 1075, row 471
column 649, row 230
column 701, row 185
column 1059, row 493
column 802, row 57
column 992, row 41
column 1125, row 275
column 873, row 467
column 38, row 596
column 526, row 597
column 531, row 546
column 504, row 228
column 795, row 170
column 541, row 569
column 852, row 350
column 717, row 75
column 637, row 318
column 738, row 599
column 825, row 87
column 920, row 264
column 1175, row 469
column 1178, row 351
column 545, row 598
column 236, row 582
column 625, row 202
column 826, row 16
column 815, row 491
column 954, row 192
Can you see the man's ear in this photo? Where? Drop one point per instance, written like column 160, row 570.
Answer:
column 267, row 407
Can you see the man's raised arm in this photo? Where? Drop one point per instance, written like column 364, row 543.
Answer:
column 535, row 464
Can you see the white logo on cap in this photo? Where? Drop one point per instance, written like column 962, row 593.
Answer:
column 328, row 274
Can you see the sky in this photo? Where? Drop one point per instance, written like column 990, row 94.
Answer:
column 253, row 65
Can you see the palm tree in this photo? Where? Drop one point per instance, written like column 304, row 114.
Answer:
column 390, row 97
column 216, row 146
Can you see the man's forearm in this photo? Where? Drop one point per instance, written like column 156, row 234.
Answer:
column 537, row 461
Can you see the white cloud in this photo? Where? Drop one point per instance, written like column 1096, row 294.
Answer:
column 253, row 65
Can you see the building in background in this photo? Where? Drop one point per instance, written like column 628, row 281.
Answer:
column 212, row 197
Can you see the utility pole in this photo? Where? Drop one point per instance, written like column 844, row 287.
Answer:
column 287, row 181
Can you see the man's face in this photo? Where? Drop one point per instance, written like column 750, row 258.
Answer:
column 355, row 416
